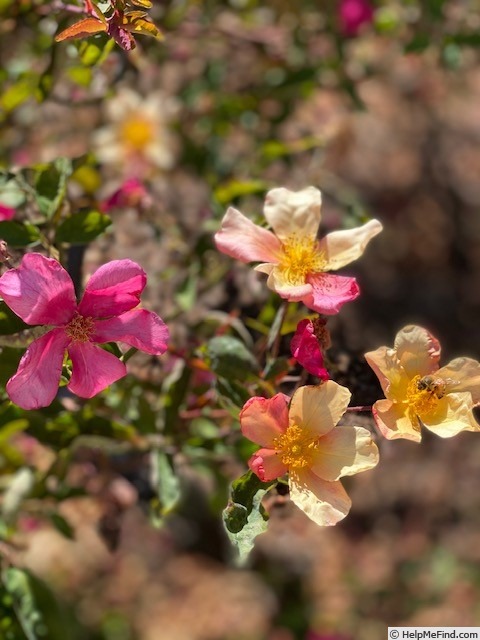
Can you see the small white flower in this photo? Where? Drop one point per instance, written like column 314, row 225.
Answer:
column 138, row 130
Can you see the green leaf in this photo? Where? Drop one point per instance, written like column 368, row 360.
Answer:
column 435, row 8
column 418, row 43
column 51, row 185
column 60, row 430
column 165, row 482
column 235, row 188
column 175, row 387
column 230, row 358
column 39, row 613
column 235, row 517
column 246, row 487
column 245, row 518
column 10, row 457
column 17, row 234
column 82, row 227
column 186, row 295
column 17, row 585
column 11, row 192
column 276, row 368
column 232, row 392
column 19, row 487
column 62, row 525
column 94, row 51
column 11, row 428
column 277, row 324
column 9, row 321
column 17, row 94
column 8, row 363
column 80, row 75
column 464, row 39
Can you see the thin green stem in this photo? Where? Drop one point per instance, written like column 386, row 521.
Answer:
column 276, row 331
column 128, row 354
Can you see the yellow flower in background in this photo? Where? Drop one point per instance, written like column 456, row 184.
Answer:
column 138, row 132
column 418, row 392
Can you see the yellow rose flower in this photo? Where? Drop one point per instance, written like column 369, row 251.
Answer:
column 418, row 392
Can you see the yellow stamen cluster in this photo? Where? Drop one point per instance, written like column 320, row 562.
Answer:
column 79, row 329
column 421, row 399
column 296, row 447
column 300, row 258
column 137, row 132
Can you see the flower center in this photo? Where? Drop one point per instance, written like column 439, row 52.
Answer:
column 79, row 329
column 137, row 132
column 300, row 258
column 296, row 447
column 423, row 395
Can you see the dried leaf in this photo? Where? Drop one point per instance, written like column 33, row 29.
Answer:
column 146, row 4
column 135, row 24
column 82, row 29
column 121, row 36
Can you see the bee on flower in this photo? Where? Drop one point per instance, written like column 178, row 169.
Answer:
column 305, row 441
column 137, row 137
column 420, row 393
column 296, row 262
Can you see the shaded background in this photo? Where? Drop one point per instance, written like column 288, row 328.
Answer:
column 387, row 124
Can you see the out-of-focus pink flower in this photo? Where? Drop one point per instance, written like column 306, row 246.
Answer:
column 294, row 260
column 353, row 14
column 304, row 441
column 306, row 349
column 130, row 194
column 41, row 292
column 418, row 392
column 6, row 213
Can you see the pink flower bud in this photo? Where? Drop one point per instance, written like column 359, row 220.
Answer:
column 353, row 14
column 6, row 213
column 306, row 349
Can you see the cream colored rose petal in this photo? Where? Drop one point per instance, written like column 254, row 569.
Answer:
column 462, row 374
column 318, row 408
column 452, row 415
column 390, row 374
column 276, row 282
column 417, row 350
column 293, row 212
column 344, row 451
column 342, row 247
column 326, row 503
column 392, row 422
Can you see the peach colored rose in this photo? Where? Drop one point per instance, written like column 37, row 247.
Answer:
column 304, row 441
column 418, row 392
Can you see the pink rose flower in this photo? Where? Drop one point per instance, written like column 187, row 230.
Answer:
column 296, row 263
column 304, row 441
column 41, row 292
column 353, row 15
column 6, row 213
column 306, row 349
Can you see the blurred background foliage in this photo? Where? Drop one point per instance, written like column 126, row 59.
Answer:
column 111, row 509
